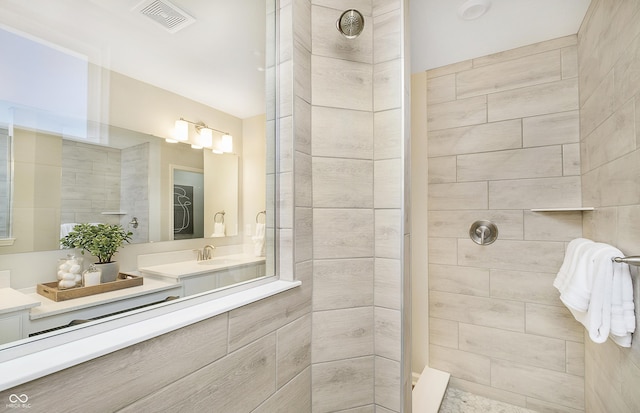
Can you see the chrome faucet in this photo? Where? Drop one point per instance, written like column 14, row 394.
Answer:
column 206, row 253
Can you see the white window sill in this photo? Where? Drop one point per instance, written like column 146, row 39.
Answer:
column 6, row 242
column 22, row 365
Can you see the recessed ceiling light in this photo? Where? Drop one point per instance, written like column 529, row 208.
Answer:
column 473, row 9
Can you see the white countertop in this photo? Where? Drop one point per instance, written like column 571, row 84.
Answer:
column 47, row 307
column 184, row 269
column 13, row 300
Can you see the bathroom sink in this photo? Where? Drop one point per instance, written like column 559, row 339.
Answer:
column 219, row 261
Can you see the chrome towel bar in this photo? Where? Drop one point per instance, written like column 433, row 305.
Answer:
column 633, row 260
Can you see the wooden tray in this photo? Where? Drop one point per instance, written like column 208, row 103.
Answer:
column 51, row 291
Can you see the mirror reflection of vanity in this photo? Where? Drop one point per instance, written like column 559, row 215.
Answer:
column 89, row 137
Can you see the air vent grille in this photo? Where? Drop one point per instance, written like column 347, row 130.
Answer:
column 165, row 14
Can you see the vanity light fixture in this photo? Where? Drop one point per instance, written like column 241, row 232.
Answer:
column 227, row 143
column 473, row 9
column 181, row 130
column 204, row 139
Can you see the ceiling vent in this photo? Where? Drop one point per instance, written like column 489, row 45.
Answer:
column 165, row 14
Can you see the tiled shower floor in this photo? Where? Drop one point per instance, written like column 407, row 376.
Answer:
column 458, row 401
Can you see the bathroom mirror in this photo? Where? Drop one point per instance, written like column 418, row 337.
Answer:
column 90, row 95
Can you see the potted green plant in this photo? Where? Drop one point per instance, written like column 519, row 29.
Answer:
column 102, row 241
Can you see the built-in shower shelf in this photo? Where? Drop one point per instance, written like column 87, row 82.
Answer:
column 114, row 213
column 562, row 209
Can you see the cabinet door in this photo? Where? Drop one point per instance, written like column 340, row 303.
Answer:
column 10, row 328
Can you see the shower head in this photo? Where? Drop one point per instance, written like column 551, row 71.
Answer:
column 350, row 23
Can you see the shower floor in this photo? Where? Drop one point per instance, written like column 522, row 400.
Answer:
column 459, row 401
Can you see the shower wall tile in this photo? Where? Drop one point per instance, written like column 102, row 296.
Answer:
column 525, row 71
column 443, row 333
column 599, row 106
column 539, row 162
column 342, row 334
column 575, row 358
column 569, row 62
column 552, row 226
column 461, row 364
column 302, row 72
column 387, row 383
column 571, row 159
column 293, row 349
column 342, row 233
column 561, row 388
column 342, row 84
column 385, row 6
column 388, row 134
column 342, row 183
column 488, row 312
column 526, row 286
column 455, row 224
column 286, row 32
column 553, row 321
column 286, row 88
column 387, row 283
column 463, row 112
column 387, row 192
column 535, row 100
column 459, row 280
column 293, row 397
column 529, row 349
column 303, row 234
column 551, row 129
column 443, row 251
column 613, row 184
column 387, row 81
column 364, row 6
column 388, row 333
column 540, row 256
column 442, row 170
column 484, row 137
column 441, row 89
column 468, row 195
column 345, row 283
column 343, row 383
column 302, row 180
column 302, row 18
column 342, row 133
column 545, row 406
column 327, row 41
column 388, row 237
column 561, row 192
column 302, row 125
column 520, row 52
column 387, row 36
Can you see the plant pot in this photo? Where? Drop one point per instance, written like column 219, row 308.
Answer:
column 110, row 271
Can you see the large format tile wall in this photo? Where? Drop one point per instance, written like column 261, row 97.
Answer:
column 502, row 139
column 609, row 62
column 357, row 166
column 253, row 359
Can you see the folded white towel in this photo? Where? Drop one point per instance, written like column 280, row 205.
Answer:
column 259, row 240
column 568, row 268
column 219, row 229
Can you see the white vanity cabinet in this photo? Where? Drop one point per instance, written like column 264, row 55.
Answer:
column 14, row 314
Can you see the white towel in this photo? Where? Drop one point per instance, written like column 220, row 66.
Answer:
column 65, row 229
column 577, row 292
column 568, row 268
column 622, row 307
column 259, row 240
column 219, row 229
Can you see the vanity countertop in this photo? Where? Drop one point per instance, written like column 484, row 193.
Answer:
column 14, row 300
column 47, row 307
column 184, row 269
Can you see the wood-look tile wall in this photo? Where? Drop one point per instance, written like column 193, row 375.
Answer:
column 357, row 174
column 609, row 145
column 256, row 358
column 503, row 138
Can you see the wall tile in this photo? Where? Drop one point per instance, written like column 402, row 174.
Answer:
column 302, row 180
column 387, row 383
column 561, row 388
column 571, row 159
column 443, row 333
column 387, row 134
column 294, row 397
column 467, row 195
column 512, row 164
column 552, row 226
column 443, row 251
column 342, row 384
column 293, row 349
column 459, row 280
column 536, row 287
column 461, row 364
column 341, row 334
column 388, row 334
column 339, row 83
column 343, row 283
column 457, row 223
column 388, row 233
column 387, row 81
column 463, row 112
column 331, row 43
column 441, row 89
column 614, row 183
column 526, row 50
column 575, row 358
column 569, row 62
column 449, row 69
column 364, row 6
column 510, row 74
column 442, row 170
column 342, row 233
column 539, row 256
column 342, row 183
column 551, row 129
column 507, row 315
column 535, row 100
column 553, row 321
column 301, row 73
column 535, row 193
column 303, row 234
column 387, row 283
column 342, row 133
column 484, row 137
column 387, row 36
column 302, row 125
column 598, row 107
column 522, row 348
column 387, row 193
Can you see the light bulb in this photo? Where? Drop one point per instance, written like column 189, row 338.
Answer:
column 182, row 130
column 227, row 143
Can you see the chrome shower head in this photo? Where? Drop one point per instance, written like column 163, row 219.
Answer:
column 350, row 23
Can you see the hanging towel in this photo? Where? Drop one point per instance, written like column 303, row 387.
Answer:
column 622, row 307
column 577, row 292
column 568, row 268
column 219, row 229
column 259, row 240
